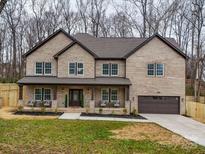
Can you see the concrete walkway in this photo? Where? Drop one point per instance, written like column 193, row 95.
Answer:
column 76, row 116
column 186, row 127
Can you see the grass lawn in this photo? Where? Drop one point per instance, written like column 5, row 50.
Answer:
column 59, row 136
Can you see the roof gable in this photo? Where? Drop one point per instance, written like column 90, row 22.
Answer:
column 164, row 40
column 38, row 45
column 72, row 44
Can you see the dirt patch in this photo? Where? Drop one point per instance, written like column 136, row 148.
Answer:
column 152, row 132
column 8, row 113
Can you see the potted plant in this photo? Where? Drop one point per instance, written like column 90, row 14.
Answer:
column 134, row 112
column 125, row 111
column 100, row 110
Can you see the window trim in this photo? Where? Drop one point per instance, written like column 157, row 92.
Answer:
column 45, row 68
column 111, row 94
column 155, row 70
column 44, row 94
column 112, row 68
column 35, row 94
column 107, row 89
column 108, row 69
column 76, row 69
column 162, row 70
column 41, row 68
column 148, row 69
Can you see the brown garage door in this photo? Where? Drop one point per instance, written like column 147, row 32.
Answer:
column 158, row 104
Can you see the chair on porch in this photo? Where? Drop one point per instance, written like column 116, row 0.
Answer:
column 117, row 103
column 31, row 103
column 47, row 103
column 103, row 103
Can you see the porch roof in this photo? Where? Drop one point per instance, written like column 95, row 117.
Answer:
column 49, row 80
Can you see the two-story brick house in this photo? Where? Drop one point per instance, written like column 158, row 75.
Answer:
column 146, row 74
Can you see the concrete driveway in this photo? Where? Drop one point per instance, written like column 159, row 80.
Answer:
column 186, row 127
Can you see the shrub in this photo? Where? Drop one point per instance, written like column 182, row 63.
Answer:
column 87, row 110
column 134, row 112
column 20, row 108
column 43, row 109
column 125, row 111
column 100, row 110
column 56, row 110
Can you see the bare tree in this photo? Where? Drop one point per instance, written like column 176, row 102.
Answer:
column 2, row 4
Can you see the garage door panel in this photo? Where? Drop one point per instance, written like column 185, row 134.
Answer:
column 158, row 104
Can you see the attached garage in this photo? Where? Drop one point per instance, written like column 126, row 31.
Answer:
column 159, row 104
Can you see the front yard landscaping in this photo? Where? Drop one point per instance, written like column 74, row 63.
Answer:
column 65, row 136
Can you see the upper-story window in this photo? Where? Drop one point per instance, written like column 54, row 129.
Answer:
column 110, row 69
column 47, row 68
column 155, row 69
column 76, row 68
column 43, row 68
column 39, row 68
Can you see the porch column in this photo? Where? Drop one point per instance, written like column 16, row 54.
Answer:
column 92, row 101
column 54, row 101
column 127, row 101
column 127, row 93
column 20, row 101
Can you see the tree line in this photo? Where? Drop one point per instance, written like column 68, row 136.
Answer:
column 23, row 23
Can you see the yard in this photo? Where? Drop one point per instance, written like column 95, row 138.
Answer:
column 59, row 136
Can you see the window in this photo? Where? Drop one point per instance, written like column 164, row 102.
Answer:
column 76, row 68
column 113, row 94
column 38, row 94
column 47, row 94
column 80, row 68
column 39, row 68
column 110, row 69
column 47, row 68
column 72, row 68
column 159, row 69
column 151, row 69
column 105, row 94
column 114, row 69
column 155, row 69
column 105, row 69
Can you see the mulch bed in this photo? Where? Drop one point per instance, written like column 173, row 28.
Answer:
column 38, row 113
column 113, row 116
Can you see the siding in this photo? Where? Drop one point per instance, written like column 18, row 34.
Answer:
column 121, row 67
column 76, row 54
column 46, row 52
column 171, row 84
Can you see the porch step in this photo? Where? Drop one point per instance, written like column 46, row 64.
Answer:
column 72, row 110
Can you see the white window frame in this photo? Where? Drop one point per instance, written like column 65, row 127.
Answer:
column 35, row 94
column 45, row 68
column 107, row 89
column 111, row 95
column 76, row 69
column 41, row 69
column 112, row 68
column 156, row 70
column 69, row 69
column 108, row 70
column 50, row 94
column 80, row 68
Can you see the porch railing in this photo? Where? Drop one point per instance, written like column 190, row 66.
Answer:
column 38, row 103
column 108, row 104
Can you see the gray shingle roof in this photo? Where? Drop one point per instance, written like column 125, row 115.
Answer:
column 74, row 81
column 113, row 47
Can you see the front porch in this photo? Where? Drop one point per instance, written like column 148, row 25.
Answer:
column 70, row 98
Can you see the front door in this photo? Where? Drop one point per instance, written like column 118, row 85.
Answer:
column 75, row 97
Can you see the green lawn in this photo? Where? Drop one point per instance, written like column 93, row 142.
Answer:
column 58, row 136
